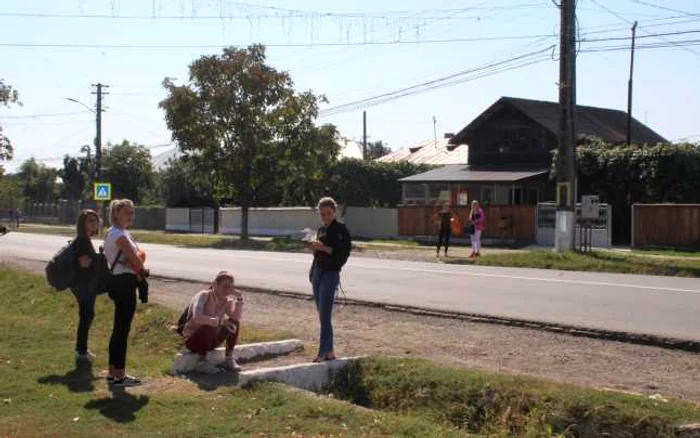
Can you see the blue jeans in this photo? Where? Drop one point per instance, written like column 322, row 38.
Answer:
column 325, row 284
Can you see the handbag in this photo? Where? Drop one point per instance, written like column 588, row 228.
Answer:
column 105, row 271
column 469, row 229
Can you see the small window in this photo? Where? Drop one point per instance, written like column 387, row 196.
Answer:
column 487, row 195
column 434, row 190
column 415, row 191
column 515, row 196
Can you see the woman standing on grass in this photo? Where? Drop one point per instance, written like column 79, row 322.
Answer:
column 129, row 272
column 85, row 286
column 476, row 220
column 331, row 250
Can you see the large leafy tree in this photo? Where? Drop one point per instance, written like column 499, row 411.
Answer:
column 129, row 168
column 76, row 176
column 8, row 96
column 242, row 119
column 377, row 149
column 39, row 183
column 183, row 184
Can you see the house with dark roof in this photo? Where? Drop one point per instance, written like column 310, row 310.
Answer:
column 510, row 153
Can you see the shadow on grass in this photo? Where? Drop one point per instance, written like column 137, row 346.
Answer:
column 121, row 407
column 212, row 382
column 80, row 379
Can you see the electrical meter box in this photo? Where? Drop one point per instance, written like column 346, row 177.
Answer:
column 590, row 207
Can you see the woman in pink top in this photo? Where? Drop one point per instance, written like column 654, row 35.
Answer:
column 476, row 219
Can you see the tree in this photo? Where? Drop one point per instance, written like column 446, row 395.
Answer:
column 38, row 182
column 8, row 96
column 75, row 175
column 377, row 149
column 10, row 193
column 370, row 184
column 129, row 168
column 238, row 116
column 182, row 184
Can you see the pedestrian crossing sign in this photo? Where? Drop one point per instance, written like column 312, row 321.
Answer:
column 103, row 192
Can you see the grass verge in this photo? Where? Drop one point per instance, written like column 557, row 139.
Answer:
column 186, row 240
column 42, row 393
column 598, row 261
column 500, row 405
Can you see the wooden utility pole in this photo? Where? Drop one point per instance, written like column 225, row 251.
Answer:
column 566, row 161
column 364, row 135
column 629, row 88
column 98, row 144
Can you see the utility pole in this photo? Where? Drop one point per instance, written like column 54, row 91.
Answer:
column 629, row 88
column 435, row 131
column 566, row 161
column 98, row 143
column 364, row 135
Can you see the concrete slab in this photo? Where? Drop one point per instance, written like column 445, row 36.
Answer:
column 308, row 376
column 186, row 362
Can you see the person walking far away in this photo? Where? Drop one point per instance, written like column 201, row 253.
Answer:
column 476, row 221
column 18, row 217
column 129, row 274
column 12, row 217
column 331, row 250
column 445, row 218
column 86, row 279
column 214, row 317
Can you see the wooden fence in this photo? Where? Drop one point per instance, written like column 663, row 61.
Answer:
column 505, row 222
column 666, row 225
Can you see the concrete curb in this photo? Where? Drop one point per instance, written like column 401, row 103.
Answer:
column 308, row 376
column 187, row 362
column 688, row 431
column 668, row 343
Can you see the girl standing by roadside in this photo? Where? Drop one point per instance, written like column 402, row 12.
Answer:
column 85, row 288
column 476, row 219
column 445, row 218
column 128, row 273
column 331, row 250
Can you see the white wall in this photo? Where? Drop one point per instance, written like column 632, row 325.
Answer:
column 372, row 222
column 177, row 219
column 545, row 237
column 277, row 221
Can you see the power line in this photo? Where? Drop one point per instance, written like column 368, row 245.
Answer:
column 288, row 14
column 218, row 46
column 626, row 38
column 619, row 16
column 691, row 14
column 39, row 116
column 426, row 86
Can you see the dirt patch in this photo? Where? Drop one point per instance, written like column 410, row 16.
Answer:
column 367, row 331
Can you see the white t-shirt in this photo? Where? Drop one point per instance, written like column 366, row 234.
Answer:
column 111, row 250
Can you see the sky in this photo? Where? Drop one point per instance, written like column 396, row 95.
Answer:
column 54, row 50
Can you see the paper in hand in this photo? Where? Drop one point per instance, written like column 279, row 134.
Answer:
column 309, row 235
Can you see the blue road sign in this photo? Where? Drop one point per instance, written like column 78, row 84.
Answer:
column 103, row 192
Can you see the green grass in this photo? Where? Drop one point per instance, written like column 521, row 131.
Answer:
column 43, row 394
column 501, row 405
column 668, row 252
column 186, row 240
column 598, row 261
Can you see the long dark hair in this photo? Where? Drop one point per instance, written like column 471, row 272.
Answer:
column 82, row 222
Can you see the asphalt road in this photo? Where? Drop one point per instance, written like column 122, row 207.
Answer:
column 640, row 304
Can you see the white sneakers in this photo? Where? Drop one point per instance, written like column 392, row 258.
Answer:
column 89, row 356
column 229, row 364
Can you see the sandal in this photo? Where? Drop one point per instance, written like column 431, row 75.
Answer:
column 319, row 359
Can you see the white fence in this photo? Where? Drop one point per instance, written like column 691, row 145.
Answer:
column 190, row 220
column 601, row 232
column 276, row 221
column 374, row 223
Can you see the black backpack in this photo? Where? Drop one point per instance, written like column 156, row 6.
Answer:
column 60, row 271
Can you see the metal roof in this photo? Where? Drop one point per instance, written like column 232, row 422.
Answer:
column 608, row 124
column 462, row 173
column 429, row 152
